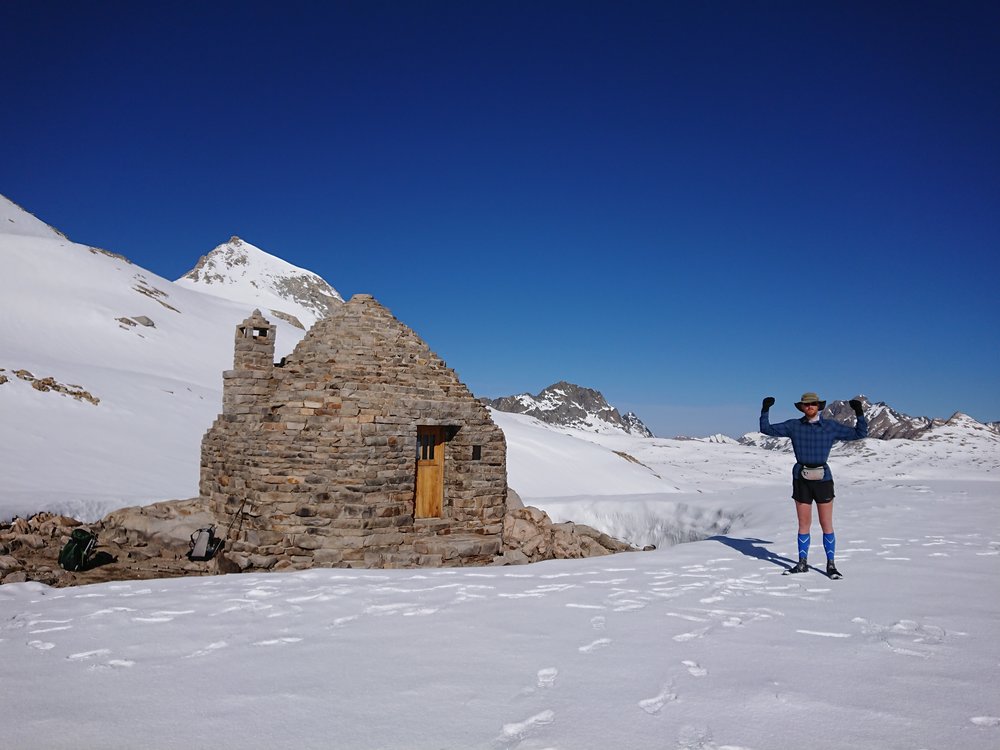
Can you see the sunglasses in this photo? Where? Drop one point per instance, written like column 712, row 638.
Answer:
column 810, row 403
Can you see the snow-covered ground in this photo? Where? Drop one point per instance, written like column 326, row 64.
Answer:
column 700, row 645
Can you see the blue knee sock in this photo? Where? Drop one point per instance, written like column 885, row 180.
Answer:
column 803, row 546
column 830, row 545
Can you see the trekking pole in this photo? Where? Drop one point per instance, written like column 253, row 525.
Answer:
column 235, row 516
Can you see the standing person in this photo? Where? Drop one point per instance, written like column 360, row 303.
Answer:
column 812, row 437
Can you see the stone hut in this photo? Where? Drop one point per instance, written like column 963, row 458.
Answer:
column 360, row 449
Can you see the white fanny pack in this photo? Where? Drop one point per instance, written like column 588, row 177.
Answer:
column 813, row 472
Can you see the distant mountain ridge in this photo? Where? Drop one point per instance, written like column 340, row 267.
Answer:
column 239, row 271
column 570, row 405
column 884, row 422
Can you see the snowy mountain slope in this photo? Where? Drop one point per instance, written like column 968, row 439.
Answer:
column 569, row 405
column 149, row 354
column 543, row 461
column 15, row 220
column 239, row 271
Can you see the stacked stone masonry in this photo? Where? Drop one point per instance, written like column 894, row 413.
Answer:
column 320, row 450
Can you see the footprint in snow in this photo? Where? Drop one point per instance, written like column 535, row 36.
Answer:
column 824, row 634
column 89, row 654
column 905, row 637
column 655, row 704
column 138, row 592
column 986, row 721
column 110, row 611
column 338, row 622
column 277, row 642
column 208, row 649
column 683, row 637
column 517, row 729
column 689, row 618
column 695, row 669
column 41, row 645
column 547, row 677
column 387, row 609
column 598, row 622
column 695, row 738
column 599, row 643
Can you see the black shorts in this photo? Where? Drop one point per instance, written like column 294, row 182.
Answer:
column 808, row 490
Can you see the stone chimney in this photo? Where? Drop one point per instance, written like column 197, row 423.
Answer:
column 253, row 365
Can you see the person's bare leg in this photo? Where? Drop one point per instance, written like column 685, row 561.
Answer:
column 825, row 513
column 804, row 511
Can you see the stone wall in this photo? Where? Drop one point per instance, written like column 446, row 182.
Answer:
column 321, row 451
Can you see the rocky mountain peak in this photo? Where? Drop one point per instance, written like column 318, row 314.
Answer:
column 242, row 272
column 884, row 422
column 570, row 405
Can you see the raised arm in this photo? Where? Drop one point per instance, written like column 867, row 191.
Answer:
column 860, row 429
column 774, row 430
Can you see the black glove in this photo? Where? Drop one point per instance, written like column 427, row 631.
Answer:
column 856, row 405
column 767, row 403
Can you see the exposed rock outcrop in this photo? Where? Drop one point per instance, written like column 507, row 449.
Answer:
column 153, row 541
column 529, row 536
column 51, row 384
column 132, row 543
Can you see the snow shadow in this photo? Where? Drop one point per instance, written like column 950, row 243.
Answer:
column 750, row 548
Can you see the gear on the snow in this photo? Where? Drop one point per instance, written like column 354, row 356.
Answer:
column 75, row 554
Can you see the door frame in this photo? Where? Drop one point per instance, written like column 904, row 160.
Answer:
column 428, row 495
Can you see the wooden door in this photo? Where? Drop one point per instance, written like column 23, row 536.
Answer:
column 430, row 472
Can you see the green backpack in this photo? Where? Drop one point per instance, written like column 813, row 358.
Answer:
column 77, row 550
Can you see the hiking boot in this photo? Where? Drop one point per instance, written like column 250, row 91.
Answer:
column 831, row 570
column 800, row 567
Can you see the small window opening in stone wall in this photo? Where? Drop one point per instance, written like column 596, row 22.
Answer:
column 477, row 452
column 260, row 333
column 425, row 447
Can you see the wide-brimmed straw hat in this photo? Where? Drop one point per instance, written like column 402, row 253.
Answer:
column 810, row 398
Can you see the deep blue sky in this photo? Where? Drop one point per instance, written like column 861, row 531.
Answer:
column 687, row 206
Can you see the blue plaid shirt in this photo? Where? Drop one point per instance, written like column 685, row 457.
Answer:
column 812, row 441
